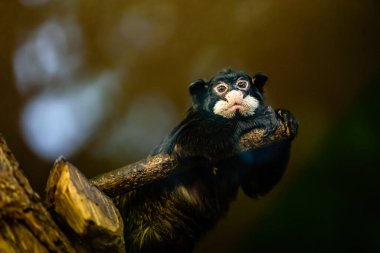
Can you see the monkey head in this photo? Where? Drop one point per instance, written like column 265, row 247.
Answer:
column 229, row 94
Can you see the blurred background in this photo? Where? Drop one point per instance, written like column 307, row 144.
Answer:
column 102, row 82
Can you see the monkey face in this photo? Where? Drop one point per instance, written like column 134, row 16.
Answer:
column 229, row 94
column 233, row 98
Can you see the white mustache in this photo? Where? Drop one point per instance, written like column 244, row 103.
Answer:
column 235, row 101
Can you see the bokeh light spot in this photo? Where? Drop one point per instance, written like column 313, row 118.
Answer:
column 49, row 56
column 60, row 123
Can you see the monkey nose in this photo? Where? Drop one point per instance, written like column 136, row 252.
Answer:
column 234, row 96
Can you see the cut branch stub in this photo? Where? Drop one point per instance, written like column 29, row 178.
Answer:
column 84, row 209
column 160, row 166
column 25, row 224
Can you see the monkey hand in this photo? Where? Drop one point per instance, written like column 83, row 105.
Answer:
column 289, row 121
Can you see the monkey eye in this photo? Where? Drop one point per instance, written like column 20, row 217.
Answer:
column 242, row 84
column 221, row 88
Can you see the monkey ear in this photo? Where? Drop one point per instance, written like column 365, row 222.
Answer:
column 197, row 86
column 259, row 80
column 197, row 91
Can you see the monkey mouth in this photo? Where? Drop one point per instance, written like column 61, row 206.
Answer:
column 237, row 107
column 243, row 107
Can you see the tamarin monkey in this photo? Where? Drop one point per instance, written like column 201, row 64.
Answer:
column 171, row 215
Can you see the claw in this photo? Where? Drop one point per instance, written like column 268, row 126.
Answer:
column 289, row 121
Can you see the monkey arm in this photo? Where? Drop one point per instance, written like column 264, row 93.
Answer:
column 286, row 131
column 262, row 168
column 160, row 166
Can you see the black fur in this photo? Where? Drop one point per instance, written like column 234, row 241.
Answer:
column 171, row 215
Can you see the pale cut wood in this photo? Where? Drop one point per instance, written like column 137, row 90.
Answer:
column 88, row 212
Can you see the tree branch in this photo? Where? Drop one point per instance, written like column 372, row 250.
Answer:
column 158, row 167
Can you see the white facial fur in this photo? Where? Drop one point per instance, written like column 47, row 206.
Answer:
column 235, row 102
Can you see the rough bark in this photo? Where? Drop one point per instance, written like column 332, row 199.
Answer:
column 79, row 205
column 81, row 218
column 25, row 224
